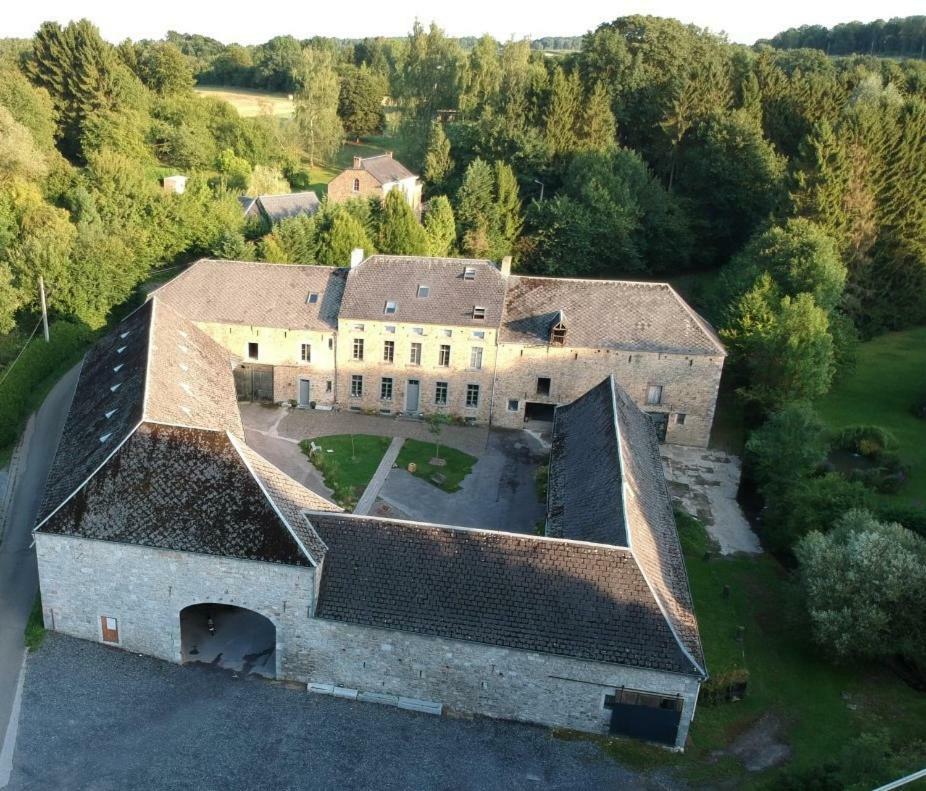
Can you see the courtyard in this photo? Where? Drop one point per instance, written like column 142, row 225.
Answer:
column 170, row 727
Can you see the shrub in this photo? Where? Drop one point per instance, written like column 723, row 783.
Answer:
column 869, row 441
column 910, row 516
column 724, row 687
column 39, row 362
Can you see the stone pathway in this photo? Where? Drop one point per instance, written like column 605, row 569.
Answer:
column 704, row 482
column 368, row 498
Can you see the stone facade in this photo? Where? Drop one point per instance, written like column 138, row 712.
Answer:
column 689, row 384
column 357, row 183
column 83, row 580
column 459, row 374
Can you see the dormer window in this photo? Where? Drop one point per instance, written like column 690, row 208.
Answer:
column 469, row 273
column 391, row 308
column 423, row 292
column 479, row 312
column 312, row 298
column 558, row 330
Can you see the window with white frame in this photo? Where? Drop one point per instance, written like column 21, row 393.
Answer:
column 479, row 312
column 305, row 352
column 385, row 389
column 414, row 356
column 443, row 357
column 390, row 307
column 388, row 351
column 358, row 348
column 475, row 358
column 356, row 386
column 424, row 292
column 440, row 393
column 513, row 405
column 472, row 396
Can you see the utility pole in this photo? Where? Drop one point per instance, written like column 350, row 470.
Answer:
column 538, row 181
column 44, row 308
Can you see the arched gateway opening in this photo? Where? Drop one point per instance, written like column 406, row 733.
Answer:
column 238, row 639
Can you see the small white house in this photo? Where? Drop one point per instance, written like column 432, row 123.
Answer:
column 175, row 184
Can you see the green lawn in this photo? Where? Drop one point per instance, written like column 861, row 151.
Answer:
column 821, row 705
column 889, row 376
column 35, row 628
column 350, row 465
column 458, row 464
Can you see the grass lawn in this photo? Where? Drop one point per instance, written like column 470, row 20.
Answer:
column 35, row 628
column 249, row 102
column 348, row 468
column 420, row 453
column 821, row 705
column 889, row 376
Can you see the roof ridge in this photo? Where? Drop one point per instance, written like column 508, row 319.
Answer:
column 599, row 281
column 287, row 194
column 436, row 258
column 289, row 528
column 461, row 529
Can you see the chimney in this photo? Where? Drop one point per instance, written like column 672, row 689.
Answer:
column 356, row 256
column 357, row 162
column 506, row 266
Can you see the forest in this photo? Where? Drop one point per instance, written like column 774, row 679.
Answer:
column 785, row 183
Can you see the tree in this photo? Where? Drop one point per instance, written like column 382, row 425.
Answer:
column 562, row 113
column 597, row 129
column 19, row 155
column 267, row 181
column 865, row 583
column 440, row 226
column 317, row 118
column 437, row 161
column 164, row 68
column 236, row 171
column 399, row 232
column 278, row 64
column 476, row 208
column 360, row 102
column 508, row 202
column 342, row 235
column 781, row 346
column 436, row 422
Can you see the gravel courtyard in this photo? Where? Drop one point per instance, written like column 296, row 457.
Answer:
column 97, row 718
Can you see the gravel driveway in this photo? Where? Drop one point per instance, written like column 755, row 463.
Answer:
column 97, row 718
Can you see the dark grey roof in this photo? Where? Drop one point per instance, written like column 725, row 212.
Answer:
column 585, row 501
column 385, row 169
column 290, row 204
column 182, row 489
column 450, row 300
column 248, row 204
column 618, row 314
column 558, row 597
column 101, row 417
column 607, row 484
column 257, row 294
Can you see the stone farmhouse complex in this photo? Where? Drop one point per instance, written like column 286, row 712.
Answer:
column 394, row 334
column 376, row 176
column 156, row 508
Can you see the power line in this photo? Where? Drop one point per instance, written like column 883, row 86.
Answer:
column 22, row 351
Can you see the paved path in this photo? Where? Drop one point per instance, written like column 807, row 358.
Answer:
column 18, row 573
column 365, row 503
column 97, row 718
column 705, row 483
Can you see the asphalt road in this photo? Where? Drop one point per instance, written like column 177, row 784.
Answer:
column 18, row 573
column 94, row 717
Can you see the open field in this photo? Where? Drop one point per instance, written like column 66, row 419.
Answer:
column 250, row 103
column 816, row 706
column 889, row 377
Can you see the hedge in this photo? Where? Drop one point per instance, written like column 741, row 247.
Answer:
column 39, row 362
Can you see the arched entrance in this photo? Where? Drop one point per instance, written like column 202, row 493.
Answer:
column 240, row 640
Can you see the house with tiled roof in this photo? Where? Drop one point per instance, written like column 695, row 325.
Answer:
column 158, row 513
column 272, row 209
column 375, row 176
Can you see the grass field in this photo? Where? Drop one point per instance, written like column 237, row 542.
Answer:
column 250, row 103
column 889, row 377
column 458, row 464
column 820, row 706
column 348, row 468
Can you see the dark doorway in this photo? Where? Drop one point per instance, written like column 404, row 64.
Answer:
column 534, row 410
column 660, row 423
column 640, row 715
column 254, row 382
column 243, row 640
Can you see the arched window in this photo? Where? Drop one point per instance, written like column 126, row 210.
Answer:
column 356, row 185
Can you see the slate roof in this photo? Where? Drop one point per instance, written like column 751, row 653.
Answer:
column 169, row 467
column 579, row 600
column 289, row 204
column 616, row 314
column 385, row 169
column 183, row 489
column 607, row 485
column 257, row 294
column 450, row 300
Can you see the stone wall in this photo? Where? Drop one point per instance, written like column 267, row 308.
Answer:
column 689, row 383
column 282, row 348
column 473, row 678
column 145, row 589
column 373, row 368
column 341, row 187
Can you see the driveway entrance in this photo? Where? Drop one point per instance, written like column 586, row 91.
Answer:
column 254, row 382
column 243, row 640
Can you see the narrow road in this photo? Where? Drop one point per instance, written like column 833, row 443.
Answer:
column 368, row 498
column 18, row 573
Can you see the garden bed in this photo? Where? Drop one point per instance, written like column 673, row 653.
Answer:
column 347, row 463
column 448, row 476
